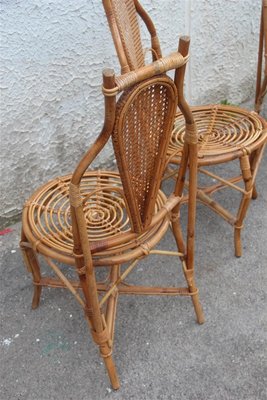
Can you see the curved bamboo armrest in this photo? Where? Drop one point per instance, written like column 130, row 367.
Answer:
column 173, row 61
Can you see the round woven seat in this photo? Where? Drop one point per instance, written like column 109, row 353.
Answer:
column 224, row 132
column 47, row 218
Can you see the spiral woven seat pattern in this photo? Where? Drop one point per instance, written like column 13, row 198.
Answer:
column 49, row 218
column 221, row 130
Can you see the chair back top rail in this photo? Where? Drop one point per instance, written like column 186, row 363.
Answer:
column 173, row 61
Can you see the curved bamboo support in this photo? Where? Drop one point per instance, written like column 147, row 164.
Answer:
column 261, row 84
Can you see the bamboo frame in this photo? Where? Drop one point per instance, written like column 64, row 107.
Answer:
column 261, row 83
column 102, row 218
column 226, row 133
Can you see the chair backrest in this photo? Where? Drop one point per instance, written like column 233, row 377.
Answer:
column 122, row 17
column 140, row 124
column 144, row 120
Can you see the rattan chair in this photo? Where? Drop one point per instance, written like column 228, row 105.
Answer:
column 225, row 133
column 95, row 219
column 261, row 84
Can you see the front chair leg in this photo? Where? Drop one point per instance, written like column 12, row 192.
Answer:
column 104, row 342
column 190, row 279
column 189, row 273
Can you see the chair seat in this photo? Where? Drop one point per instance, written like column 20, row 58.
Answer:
column 224, row 132
column 47, row 219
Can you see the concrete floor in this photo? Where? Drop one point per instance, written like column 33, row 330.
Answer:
column 160, row 351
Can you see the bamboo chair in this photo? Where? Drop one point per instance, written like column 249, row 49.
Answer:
column 261, row 84
column 225, row 133
column 93, row 219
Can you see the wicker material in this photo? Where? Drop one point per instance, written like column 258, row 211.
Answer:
column 261, row 85
column 224, row 133
column 49, row 216
column 124, row 26
column 126, row 20
column 100, row 218
column 141, row 170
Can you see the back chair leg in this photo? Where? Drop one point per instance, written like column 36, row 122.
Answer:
column 33, row 267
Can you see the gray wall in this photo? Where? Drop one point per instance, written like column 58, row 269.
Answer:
column 54, row 52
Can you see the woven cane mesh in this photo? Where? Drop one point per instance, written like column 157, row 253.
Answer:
column 143, row 126
column 221, row 130
column 127, row 23
column 49, row 218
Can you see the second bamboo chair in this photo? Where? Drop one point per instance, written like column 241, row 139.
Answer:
column 225, row 133
column 93, row 219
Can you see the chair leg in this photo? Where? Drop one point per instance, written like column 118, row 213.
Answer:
column 253, row 158
column 189, row 276
column 254, row 193
column 188, row 273
column 112, row 373
column 33, row 267
column 103, row 339
column 247, row 177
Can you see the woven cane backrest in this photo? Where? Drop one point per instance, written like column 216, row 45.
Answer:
column 125, row 15
column 144, row 120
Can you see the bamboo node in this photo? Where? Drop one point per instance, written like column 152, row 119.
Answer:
column 88, row 312
column 81, row 271
column 175, row 216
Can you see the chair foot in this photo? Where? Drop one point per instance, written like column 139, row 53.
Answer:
column 238, row 245
column 112, row 373
column 36, row 296
column 198, row 309
column 254, row 193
